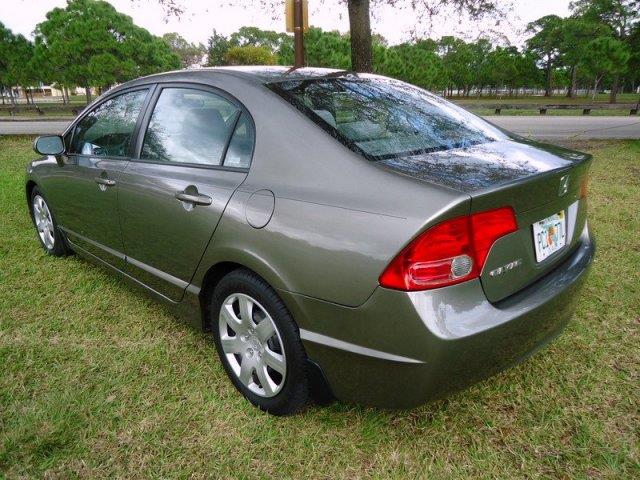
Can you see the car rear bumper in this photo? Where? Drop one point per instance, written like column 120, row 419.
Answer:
column 401, row 349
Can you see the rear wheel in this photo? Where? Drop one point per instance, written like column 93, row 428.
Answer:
column 259, row 344
column 50, row 237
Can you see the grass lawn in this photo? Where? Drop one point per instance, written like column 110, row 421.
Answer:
column 96, row 380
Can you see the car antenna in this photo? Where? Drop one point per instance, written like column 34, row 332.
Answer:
column 291, row 70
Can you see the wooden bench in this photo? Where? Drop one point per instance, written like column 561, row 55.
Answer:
column 543, row 109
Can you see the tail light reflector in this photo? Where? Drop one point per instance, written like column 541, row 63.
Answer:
column 450, row 252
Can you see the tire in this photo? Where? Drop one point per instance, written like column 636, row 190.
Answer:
column 51, row 239
column 266, row 362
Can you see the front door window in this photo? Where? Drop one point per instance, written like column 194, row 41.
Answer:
column 107, row 130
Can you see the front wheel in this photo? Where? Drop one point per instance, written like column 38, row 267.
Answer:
column 50, row 237
column 259, row 344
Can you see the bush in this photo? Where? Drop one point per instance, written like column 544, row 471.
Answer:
column 250, row 55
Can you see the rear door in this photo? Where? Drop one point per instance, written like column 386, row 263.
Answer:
column 173, row 193
column 87, row 186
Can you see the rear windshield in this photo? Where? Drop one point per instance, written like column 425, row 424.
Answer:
column 383, row 118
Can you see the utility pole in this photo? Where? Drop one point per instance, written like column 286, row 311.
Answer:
column 298, row 33
column 297, row 17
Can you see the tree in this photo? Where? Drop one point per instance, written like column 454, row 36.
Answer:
column 634, row 59
column 621, row 15
column 575, row 34
column 546, row 45
column 505, row 67
column 250, row 55
column 325, row 49
column 607, row 56
column 189, row 53
column 257, row 37
column 360, row 18
column 16, row 63
column 217, row 48
column 416, row 63
column 89, row 43
column 457, row 58
column 6, row 38
column 21, row 69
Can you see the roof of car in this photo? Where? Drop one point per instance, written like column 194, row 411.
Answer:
column 274, row 73
column 258, row 73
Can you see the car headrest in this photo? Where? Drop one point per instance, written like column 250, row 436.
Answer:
column 327, row 116
column 208, row 119
column 361, row 130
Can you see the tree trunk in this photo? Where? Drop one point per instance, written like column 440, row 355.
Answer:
column 549, row 80
column 574, row 82
column 614, row 89
column 87, row 93
column 595, row 88
column 360, row 27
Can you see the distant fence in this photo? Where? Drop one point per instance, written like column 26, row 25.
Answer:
column 543, row 109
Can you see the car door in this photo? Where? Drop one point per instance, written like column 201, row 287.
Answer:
column 173, row 193
column 86, row 192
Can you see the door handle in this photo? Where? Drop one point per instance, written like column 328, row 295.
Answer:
column 107, row 182
column 194, row 198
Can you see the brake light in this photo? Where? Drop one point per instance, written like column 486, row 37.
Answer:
column 450, row 252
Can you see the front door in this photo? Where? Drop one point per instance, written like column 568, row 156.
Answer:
column 172, row 197
column 98, row 154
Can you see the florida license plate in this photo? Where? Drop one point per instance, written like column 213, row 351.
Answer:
column 549, row 235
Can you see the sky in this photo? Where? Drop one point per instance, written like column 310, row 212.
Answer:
column 202, row 16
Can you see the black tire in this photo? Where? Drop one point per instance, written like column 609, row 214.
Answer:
column 59, row 247
column 293, row 395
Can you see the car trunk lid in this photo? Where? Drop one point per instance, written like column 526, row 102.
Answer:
column 537, row 180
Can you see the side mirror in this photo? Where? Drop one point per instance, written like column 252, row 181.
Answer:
column 50, row 145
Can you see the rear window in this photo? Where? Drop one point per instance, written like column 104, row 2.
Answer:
column 383, row 118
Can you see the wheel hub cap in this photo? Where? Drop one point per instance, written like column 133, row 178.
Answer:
column 252, row 345
column 44, row 222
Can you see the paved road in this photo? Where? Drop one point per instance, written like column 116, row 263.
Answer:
column 36, row 127
column 549, row 127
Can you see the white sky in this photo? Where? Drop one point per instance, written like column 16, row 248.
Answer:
column 201, row 16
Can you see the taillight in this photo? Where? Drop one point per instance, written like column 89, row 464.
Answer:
column 450, row 252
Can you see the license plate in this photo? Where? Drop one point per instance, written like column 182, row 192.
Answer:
column 549, row 235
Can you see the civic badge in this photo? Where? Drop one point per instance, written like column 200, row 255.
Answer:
column 564, row 185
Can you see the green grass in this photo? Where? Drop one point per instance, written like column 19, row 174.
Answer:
column 96, row 380
column 30, row 115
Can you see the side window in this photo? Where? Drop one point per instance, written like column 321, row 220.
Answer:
column 107, row 130
column 241, row 145
column 189, row 126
